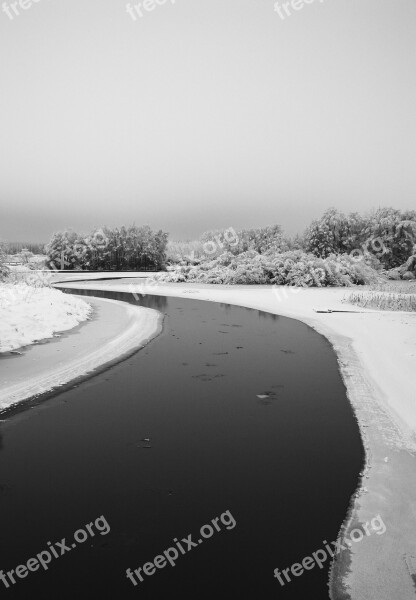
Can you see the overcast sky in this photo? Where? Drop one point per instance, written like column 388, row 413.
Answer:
column 204, row 114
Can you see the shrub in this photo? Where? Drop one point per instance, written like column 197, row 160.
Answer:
column 184, row 252
column 294, row 268
column 386, row 233
column 396, row 231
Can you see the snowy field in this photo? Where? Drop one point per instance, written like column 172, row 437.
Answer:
column 29, row 314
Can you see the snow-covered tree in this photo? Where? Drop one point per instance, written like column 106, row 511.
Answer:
column 66, row 251
column 262, row 239
column 108, row 249
column 333, row 233
column 396, row 231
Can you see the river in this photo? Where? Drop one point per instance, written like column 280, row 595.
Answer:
column 229, row 409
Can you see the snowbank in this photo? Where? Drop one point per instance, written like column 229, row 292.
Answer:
column 29, row 314
column 115, row 330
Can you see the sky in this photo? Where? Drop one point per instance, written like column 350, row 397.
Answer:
column 203, row 114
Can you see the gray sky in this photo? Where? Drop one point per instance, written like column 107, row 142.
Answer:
column 203, row 114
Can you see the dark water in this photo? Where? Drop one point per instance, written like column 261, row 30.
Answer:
column 285, row 466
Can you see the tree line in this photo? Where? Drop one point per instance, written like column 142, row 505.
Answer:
column 118, row 249
column 386, row 237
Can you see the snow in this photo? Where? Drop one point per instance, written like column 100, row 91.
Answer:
column 29, row 314
column 116, row 330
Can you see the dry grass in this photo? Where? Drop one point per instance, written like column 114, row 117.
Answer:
column 387, row 297
column 395, row 287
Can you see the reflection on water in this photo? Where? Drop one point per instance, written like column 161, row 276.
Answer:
column 156, row 302
column 266, row 315
column 226, row 307
column 261, row 313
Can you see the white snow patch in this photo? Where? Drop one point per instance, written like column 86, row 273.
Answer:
column 29, row 314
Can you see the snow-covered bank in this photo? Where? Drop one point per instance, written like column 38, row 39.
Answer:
column 115, row 329
column 29, row 314
column 377, row 357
